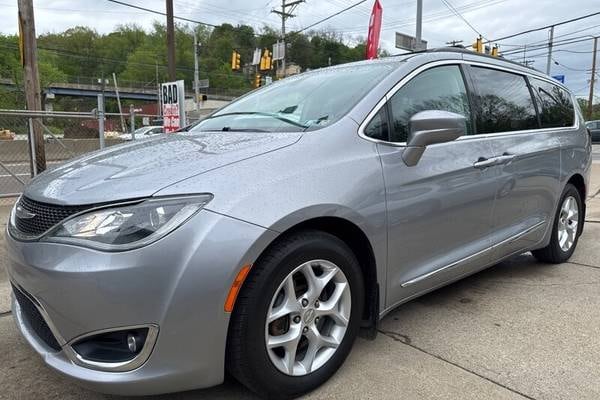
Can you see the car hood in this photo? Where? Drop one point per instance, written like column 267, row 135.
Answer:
column 140, row 169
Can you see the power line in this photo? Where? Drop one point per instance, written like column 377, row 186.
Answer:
column 71, row 54
column 545, row 40
column 429, row 17
column 556, row 44
column 570, row 68
column 160, row 13
column 544, row 27
column 331, row 16
column 451, row 8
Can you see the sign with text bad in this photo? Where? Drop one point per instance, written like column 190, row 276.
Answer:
column 173, row 106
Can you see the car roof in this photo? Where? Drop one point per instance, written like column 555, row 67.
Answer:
column 459, row 53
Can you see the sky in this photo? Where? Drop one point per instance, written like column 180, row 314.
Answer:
column 491, row 18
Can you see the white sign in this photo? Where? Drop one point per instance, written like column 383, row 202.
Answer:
column 173, row 110
column 256, row 57
column 407, row 42
column 278, row 51
column 203, row 83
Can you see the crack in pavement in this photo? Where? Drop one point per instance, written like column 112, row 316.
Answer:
column 5, row 314
column 583, row 265
column 404, row 339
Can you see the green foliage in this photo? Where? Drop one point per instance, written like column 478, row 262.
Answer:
column 583, row 104
column 139, row 56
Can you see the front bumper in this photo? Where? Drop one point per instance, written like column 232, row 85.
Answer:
column 178, row 284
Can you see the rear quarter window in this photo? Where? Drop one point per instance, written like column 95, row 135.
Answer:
column 554, row 104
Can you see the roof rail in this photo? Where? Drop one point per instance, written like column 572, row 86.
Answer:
column 463, row 50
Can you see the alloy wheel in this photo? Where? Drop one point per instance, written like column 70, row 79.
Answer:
column 307, row 317
column 568, row 221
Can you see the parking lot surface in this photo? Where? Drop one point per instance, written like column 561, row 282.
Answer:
column 519, row 330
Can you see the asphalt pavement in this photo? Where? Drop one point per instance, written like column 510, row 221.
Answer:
column 518, row 330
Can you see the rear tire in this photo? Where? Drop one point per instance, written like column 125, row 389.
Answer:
column 566, row 228
column 251, row 356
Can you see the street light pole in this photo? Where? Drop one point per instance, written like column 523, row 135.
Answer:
column 419, row 24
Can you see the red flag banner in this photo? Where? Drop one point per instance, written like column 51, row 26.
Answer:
column 374, row 31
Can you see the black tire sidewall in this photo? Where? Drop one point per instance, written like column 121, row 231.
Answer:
column 569, row 191
column 313, row 246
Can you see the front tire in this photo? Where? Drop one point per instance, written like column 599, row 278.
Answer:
column 297, row 316
column 566, row 229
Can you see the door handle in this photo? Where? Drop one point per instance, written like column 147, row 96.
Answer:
column 505, row 159
column 483, row 163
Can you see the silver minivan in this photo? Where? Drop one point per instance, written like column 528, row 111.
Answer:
column 270, row 235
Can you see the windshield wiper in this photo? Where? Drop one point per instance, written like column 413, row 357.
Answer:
column 264, row 114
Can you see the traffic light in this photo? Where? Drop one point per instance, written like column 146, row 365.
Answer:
column 495, row 51
column 266, row 61
column 257, row 79
column 236, row 61
column 478, row 45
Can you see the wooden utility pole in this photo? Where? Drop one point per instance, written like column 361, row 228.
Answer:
column 593, row 79
column 287, row 7
column 550, row 44
column 171, row 41
column 28, row 46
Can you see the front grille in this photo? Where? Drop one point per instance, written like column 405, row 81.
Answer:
column 35, row 320
column 45, row 216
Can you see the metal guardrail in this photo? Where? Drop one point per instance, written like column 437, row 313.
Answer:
column 47, row 114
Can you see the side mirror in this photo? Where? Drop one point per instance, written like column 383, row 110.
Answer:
column 431, row 127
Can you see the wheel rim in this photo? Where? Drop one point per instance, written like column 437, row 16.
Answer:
column 308, row 317
column 568, row 220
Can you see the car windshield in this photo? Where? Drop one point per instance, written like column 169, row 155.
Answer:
column 298, row 103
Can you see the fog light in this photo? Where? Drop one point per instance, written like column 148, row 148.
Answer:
column 132, row 343
column 112, row 347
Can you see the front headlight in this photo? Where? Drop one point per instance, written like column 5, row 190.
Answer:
column 130, row 226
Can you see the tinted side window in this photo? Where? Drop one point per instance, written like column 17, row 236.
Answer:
column 378, row 126
column 502, row 102
column 554, row 103
column 440, row 88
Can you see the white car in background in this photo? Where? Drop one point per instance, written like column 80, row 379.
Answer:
column 143, row 133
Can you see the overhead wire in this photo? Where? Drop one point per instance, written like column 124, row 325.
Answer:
column 160, row 13
column 458, row 14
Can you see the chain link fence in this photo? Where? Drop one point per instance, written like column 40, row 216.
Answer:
column 66, row 135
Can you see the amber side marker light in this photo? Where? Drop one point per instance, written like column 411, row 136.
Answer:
column 235, row 287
